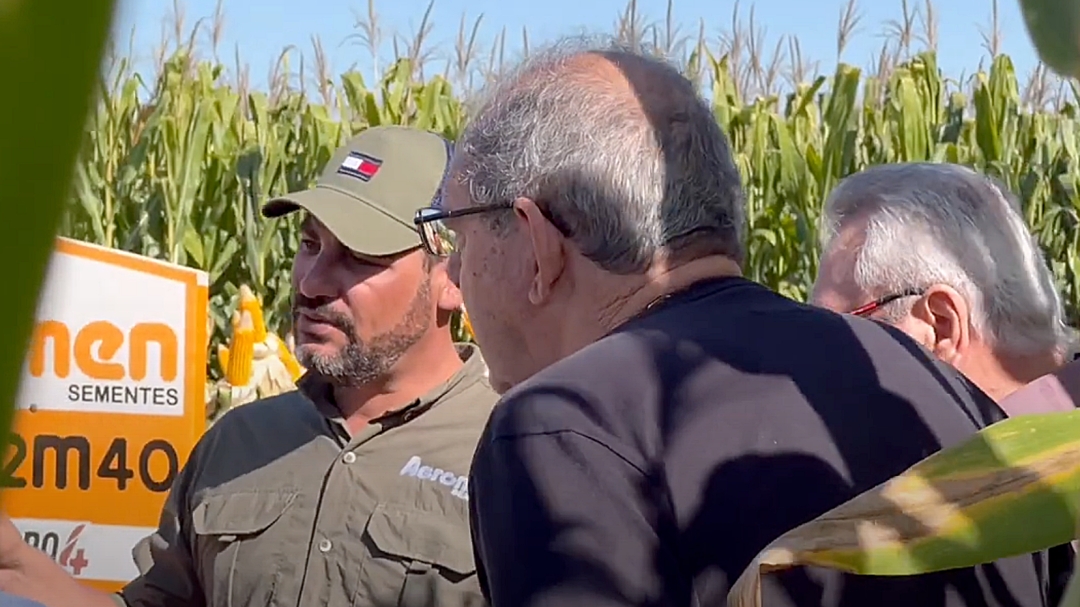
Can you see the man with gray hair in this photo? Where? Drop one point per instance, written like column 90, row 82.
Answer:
column 663, row 418
column 943, row 253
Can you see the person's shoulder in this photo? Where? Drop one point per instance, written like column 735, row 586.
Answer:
column 848, row 339
column 254, row 446
column 280, row 416
column 901, row 362
column 475, row 390
column 469, row 407
column 468, row 399
column 583, row 392
column 281, row 410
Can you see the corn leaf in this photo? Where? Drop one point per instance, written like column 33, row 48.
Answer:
column 41, row 119
column 1054, row 27
column 177, row 166
column 973, row 503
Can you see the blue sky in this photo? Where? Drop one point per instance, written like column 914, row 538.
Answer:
column 262, row 29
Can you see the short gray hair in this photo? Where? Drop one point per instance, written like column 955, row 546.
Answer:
column 930, row 223
column 624, row 180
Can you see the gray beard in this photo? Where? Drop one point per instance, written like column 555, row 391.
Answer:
column 360, row 363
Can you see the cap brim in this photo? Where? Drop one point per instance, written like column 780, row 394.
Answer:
column 359, row 225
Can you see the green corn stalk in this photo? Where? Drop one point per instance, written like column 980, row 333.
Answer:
column 792, row 152
column 960, row 507
column 41, row 119
column 177, row 168
column 181, row 171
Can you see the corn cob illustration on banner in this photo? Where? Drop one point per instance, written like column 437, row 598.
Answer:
column 256, row 363
column 1012, row 489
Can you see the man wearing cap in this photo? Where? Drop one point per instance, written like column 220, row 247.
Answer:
column 352, row 490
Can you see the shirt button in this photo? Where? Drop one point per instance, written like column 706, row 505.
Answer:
column 324, row 545
column 349, row 458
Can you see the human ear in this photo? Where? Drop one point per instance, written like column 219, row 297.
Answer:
column 447, row 294
column 548, row 250
column 946, row 311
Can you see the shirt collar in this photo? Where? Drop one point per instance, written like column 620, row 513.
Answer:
column 321, row 392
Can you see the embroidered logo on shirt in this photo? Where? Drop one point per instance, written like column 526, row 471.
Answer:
column 457, row 483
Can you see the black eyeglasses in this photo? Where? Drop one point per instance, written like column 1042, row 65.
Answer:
column 436, row 237
column 441, row 241
column 877, row 304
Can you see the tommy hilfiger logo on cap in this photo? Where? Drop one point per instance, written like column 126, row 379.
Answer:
column 360, row 166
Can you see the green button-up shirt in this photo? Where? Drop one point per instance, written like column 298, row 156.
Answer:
column 279, row 505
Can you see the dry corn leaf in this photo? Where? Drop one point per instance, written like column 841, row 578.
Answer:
column 1011, row 489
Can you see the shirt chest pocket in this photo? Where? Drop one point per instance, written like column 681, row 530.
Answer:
column 240, row 539
column 417, row 559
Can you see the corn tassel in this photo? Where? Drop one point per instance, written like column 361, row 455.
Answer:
column 241, row 352
column 250, row 304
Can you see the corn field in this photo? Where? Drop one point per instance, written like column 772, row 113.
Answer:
column 178, row 168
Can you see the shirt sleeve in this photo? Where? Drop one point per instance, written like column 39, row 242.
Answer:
column 167, row 574
column 558, row 519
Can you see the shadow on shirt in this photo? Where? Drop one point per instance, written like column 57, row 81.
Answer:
column 761, row 490
column 756, row 494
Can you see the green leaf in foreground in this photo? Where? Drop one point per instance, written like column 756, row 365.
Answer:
column 50, row 67
column 1054, row 28
column 1011, row 489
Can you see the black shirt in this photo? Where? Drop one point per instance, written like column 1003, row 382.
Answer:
column 650, row 467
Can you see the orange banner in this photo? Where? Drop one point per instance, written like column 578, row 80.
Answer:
column 111, row 403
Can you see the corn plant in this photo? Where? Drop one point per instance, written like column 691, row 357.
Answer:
column 181, row 177
column 791, row 155
column 177, row 167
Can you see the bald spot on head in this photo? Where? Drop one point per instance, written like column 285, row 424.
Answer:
column 619, row 146
column 661, row 100
column 639, row 87
column 625, row 78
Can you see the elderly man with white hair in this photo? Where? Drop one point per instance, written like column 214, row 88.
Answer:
column 943, row 253
column 662, row 417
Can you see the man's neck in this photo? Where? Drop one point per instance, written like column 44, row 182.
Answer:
column 660, row 281
column 1001, row 375
column 584, row 324
column 420, row 370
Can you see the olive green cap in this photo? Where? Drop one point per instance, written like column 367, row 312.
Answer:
column 370, row 190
